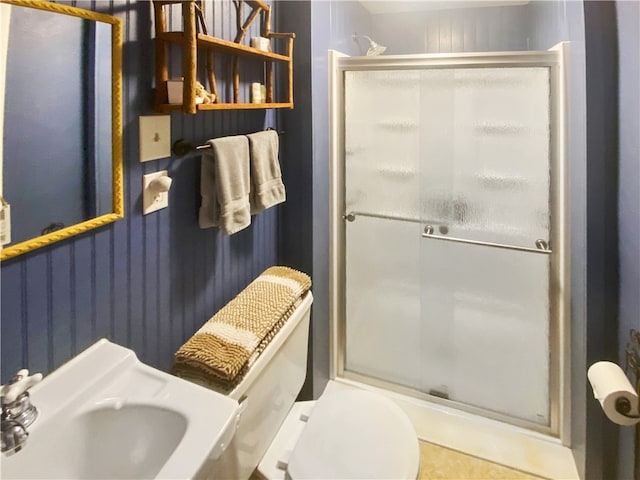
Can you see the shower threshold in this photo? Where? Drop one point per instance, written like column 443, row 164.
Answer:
column 480, row 437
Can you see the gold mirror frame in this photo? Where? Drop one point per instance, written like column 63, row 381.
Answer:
column 116, row 130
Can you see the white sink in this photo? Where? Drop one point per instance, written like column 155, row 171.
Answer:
column 105, row 415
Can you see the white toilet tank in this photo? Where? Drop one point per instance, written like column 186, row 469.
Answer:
column 266, row 394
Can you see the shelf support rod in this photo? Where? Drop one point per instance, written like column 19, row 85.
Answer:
column 189, row 57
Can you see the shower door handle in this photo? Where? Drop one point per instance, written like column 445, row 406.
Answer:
column 351, row 216
column 541, row 245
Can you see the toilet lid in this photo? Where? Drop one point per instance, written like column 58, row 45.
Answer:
column 355, row 434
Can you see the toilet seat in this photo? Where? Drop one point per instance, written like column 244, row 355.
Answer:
column 355, row 434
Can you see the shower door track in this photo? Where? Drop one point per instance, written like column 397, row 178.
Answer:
column 559, row 280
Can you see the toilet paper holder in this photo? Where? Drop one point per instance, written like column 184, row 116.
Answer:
column 632, row 363
column 633, row 352
column 623, row 407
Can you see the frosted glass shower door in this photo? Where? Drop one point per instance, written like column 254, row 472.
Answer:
column 382, row 242
column 464, row 153
column 484, row 150
column 485, row 184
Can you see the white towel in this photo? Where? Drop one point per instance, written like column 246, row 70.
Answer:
column 225, row 185
column 267, row 188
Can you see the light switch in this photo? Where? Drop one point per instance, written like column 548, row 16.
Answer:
column 155, row 137
column 155, row 191
column 5, row 222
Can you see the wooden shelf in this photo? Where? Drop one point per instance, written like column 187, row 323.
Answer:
column 166, row 107
column 224, row 46
column 191, row 42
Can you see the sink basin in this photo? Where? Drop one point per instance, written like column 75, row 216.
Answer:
column 130, row 435
column 105, row 415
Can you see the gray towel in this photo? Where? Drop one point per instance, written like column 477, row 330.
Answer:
column 267, row 188
column 225, row 185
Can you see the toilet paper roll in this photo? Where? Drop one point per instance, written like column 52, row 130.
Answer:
column 609, row 384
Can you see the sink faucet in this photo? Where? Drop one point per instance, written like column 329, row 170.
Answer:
column 17, row 411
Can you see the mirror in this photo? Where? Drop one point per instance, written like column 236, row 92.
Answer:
column 61, row 154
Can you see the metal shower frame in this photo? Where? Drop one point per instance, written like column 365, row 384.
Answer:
column 559, row 275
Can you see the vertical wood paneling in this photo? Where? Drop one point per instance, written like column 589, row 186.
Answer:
column 145, row 282
column 456, row 30
column 103, row 284
column 36, row 313
column 457, row 34
column 469, row 33
column 135, row 170
column 120, row 300
column 150, row 287
column 444, row 33
column 164, row 331
column 50, row 329
column 61, row 308
column 83, row 288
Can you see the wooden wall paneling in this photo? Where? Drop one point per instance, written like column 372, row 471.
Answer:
column 150, row 286
column 61, row 307
column 145, row 282
column 457, row 34
column 120, row 296
column 36, row 312
column 103, row 259
column 82, row 260
column 13, row 338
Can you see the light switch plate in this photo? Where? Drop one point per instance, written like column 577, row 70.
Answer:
column 155, row 137
column 151, row 200
column 5, row 222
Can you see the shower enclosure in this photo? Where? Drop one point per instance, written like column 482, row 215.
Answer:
column 448, row 263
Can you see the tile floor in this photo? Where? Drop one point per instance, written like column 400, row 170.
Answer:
column 440, row 463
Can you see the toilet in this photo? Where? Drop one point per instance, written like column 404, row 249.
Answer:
column 348, row 433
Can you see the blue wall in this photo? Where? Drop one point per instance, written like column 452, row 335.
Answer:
column 538, row 25
column 146, row 282
column 550, row 23
column 149, row 282
column 602, row 280
column 296, row 243
column 332, row 24
column 629, row 194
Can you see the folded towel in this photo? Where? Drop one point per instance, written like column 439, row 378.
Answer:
column 267, row 188
column 226, row 346
column 207, row 378
column 225, row 185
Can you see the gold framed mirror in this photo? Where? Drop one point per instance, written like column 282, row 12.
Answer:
column 61, row 125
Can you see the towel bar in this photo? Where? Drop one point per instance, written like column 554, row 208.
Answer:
column 181, row 147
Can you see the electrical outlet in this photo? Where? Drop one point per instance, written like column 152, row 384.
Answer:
column 152, row 199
